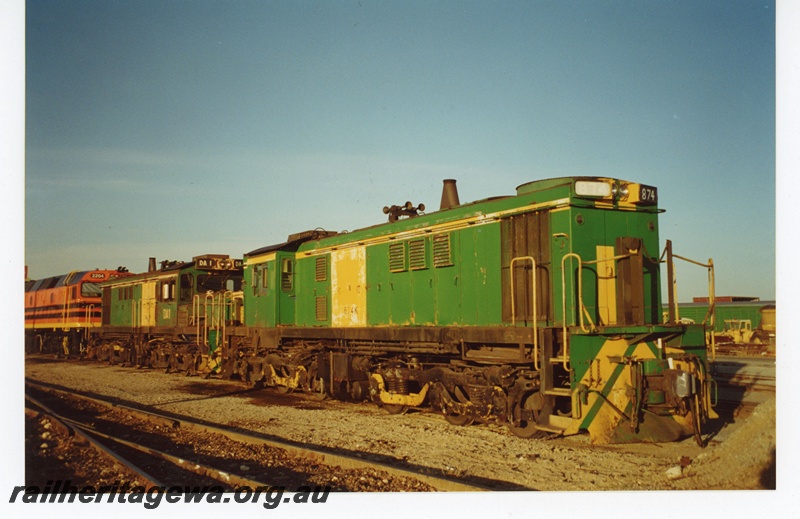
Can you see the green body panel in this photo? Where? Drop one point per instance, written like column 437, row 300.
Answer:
column 286, row 287
column 379, row 291
column 261, row 297
column 423, row 300
column 600, row 227
column 388, row 295
column 449, row 285
column 459, row 293
column 481, row 275
column 166, row 313
column 122, row 306
column 310, row 292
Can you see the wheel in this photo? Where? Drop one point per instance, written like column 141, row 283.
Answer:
column 318, row 389
column 284, row 372
column 459, row 419
column 395, row 408
column 531, row 402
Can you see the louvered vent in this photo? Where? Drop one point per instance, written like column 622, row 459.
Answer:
column 321, row 272
column 397, row 257
column 416, row 254
column 322, row 308
column 441, row 251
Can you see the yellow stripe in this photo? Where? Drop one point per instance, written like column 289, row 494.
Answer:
column 261, row 258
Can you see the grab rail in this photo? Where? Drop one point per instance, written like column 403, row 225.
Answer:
column 582, row 310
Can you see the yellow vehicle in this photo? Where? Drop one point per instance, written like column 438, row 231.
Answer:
column 738, row 331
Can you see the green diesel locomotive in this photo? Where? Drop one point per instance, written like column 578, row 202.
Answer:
column 541, row 311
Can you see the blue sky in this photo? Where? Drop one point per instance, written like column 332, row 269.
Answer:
column 178, row 128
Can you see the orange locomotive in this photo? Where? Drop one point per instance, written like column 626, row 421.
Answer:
column 60, row 310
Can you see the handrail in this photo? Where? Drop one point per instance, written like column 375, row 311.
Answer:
column 214, row 305
column 709, row 317
column 89, row 323
column 207, row 316
column 65, row 309
column 134, row 319
column 565, row 335
column 582, row 309
column 535, row 316
column 194, row 317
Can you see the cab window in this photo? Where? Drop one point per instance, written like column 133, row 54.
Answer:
column 90, row 290
column 187, row 284
column 287, row 275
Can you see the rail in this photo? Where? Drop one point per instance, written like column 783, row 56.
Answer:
column 315, row 455
column 85, row 434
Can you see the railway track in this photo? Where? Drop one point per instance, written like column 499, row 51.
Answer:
column 743, row 383
column 159, row 447
column 130, row 456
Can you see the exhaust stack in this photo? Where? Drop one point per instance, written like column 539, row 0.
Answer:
column 449, row 195
column 151, row 266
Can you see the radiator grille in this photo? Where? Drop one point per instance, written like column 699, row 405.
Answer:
column 397, row 257
column 321, row 272
column 322, row 308
column 441, row 251
column 416, row 254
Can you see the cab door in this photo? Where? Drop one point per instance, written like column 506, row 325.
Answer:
column 148, row 304
column 286, row 288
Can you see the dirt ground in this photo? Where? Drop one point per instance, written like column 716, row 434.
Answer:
column 740, row 455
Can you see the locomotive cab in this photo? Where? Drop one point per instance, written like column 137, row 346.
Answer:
column 609, row 362
column 173, row 317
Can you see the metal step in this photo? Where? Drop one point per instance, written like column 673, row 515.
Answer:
column 555, row 424
column 558, row 391
column 550, row 428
